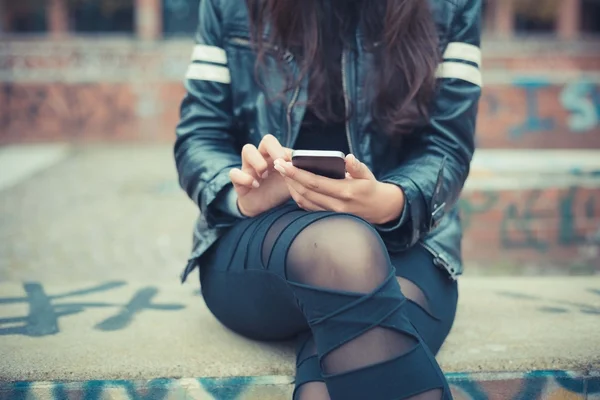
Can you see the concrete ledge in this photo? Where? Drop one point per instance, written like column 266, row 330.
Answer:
column 524, row 338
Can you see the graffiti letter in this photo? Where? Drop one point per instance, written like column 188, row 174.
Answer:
column 568, row 233
column 578, row 98
column 521, row 224
column 533, row 122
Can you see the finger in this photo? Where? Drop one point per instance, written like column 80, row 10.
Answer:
column 357, row 169
column 318, row 199
column 242, row 181
column 331, row 187
column 253, row 162
column 303, row 202
column 271, row 149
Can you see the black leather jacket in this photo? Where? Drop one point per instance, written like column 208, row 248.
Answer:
column 225, row 108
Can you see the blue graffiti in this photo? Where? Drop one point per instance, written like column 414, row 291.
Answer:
column 156, row 389
column 533, row 122
column 45, row 312
column 582, row 100
column 531, row 386
column 227, row 389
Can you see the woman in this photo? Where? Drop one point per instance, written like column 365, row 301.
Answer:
column 361, row 270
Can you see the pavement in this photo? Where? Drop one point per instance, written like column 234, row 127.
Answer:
column 123, row 331
column 92, row 240
column 116, row 212
column 113, row 212
column 134, row 330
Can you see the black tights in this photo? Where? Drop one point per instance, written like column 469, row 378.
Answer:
column 276, row 275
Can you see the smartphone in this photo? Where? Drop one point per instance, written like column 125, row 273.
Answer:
column 331, row 164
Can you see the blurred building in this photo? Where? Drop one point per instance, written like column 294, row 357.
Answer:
column 112, row 70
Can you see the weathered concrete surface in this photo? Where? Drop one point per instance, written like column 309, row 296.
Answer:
column 504, row 324
column 18, row 163
column 117, row 212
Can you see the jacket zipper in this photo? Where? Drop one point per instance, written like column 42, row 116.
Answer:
column 240, row 41
column 289, row 57
column 346, row 101
column 439, row 260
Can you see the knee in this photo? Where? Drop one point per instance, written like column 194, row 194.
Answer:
column 338, row 252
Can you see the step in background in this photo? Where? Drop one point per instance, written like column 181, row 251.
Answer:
column 532, row 212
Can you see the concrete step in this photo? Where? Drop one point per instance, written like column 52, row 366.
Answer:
column 532, row 212
column 514, row 338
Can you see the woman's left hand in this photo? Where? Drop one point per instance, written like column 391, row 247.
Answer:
column 360, row 193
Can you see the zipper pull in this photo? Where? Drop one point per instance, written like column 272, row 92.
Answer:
column 288, row 56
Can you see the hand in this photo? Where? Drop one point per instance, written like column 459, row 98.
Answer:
column 360, row 193
column 257, row 185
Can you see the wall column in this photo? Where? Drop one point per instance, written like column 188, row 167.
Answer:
column 148, row 19
column 504, row 18
column 569, row 19
column 57, row 16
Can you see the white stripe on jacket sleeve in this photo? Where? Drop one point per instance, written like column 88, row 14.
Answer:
column 208, row 72
column 210, row 54
column 458, row 70
column 463, row 52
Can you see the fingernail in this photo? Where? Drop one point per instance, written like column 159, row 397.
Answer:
column 265, row 175
column 255, row 184
column 279, row 168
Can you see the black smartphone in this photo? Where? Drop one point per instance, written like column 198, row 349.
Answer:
column 331, row 164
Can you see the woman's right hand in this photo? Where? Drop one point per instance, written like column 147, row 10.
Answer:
column 258, row 186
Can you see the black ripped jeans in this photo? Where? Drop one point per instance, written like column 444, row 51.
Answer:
column 368, row 323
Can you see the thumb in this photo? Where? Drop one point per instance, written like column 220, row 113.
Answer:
column 356, row 169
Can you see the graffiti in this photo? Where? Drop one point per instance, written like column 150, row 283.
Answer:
column 582, row 100
column 533, row 122
column 60, row 110
column 45, row 312
column 536, row 385
column 568, row 233
column 534, row 219
column 538, row 113
column 471, row 207
column 516, row 231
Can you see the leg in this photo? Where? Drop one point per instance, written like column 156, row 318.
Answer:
column 432, row 295
column 431, row 309
column 238, row 290
column 344, row 283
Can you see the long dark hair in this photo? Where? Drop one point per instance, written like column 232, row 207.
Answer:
column 400, row 33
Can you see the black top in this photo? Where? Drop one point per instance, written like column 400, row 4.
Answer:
column 317, row 135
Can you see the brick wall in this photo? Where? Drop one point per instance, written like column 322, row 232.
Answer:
column 538, row 94
column 549, row 227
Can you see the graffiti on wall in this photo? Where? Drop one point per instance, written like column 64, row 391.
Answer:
column 534, row 219
column 45, row 310
column 538, row 385
column 526, row 113
column 539, row 113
